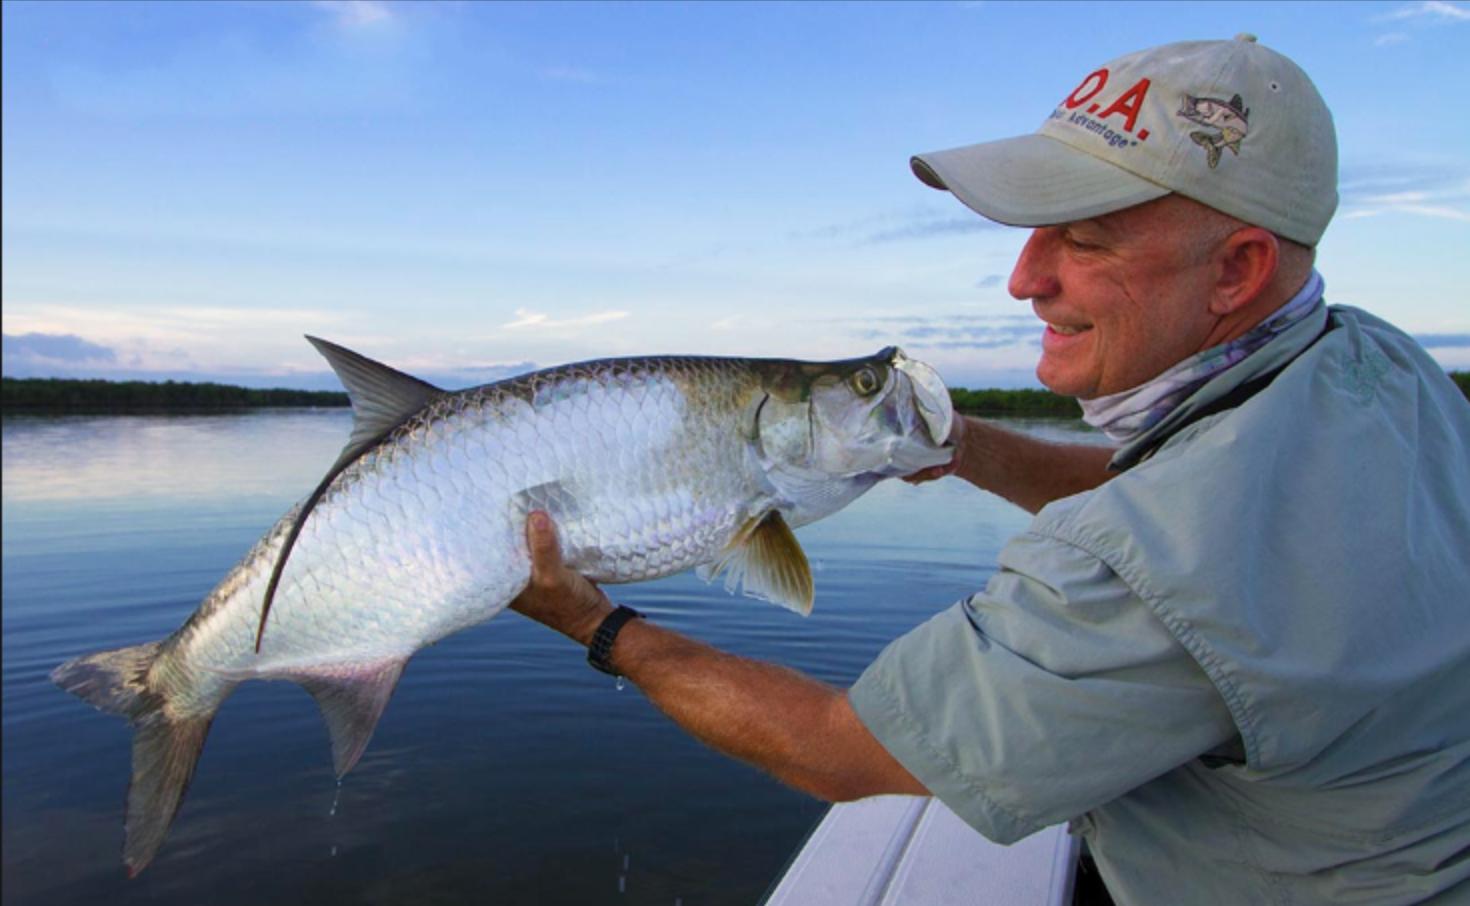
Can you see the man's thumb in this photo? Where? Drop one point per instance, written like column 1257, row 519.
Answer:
column 541, row 539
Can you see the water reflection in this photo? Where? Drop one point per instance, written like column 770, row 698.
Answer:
column 183, row 457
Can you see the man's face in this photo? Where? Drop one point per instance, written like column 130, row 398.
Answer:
column 1125, row 296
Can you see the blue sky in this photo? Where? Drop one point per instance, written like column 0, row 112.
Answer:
column 465, row 190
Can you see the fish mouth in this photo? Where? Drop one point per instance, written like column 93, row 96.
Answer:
column 930, row 396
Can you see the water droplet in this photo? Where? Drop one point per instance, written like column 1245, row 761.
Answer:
column 332, row 813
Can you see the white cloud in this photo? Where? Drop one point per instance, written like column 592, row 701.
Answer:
column 1436, row 10
column 1395, row 199
column 1440, row 205
column 367, row 68
column 1422, row 210
column 155, row 337
column 1427, row 13
column 569, row 74
column 528, row 318
column 1440, row 191
column 356, row 12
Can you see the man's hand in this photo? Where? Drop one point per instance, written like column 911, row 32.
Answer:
column 558, row 596
column 956, row 440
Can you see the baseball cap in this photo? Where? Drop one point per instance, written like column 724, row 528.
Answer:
column 1232, row 124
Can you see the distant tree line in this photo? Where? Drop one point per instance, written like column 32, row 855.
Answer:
column 61, row 395
column 108, row 396
column 57, row 394
column 1041, row 402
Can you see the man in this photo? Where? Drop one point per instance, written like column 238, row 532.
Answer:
column 1234, row 651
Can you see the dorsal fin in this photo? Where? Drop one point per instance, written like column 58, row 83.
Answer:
column 382, row 399
column 767, row 561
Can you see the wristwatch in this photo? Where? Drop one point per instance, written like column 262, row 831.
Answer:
column 600, row 651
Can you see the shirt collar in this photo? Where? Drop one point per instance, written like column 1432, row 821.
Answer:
column 1286, row 334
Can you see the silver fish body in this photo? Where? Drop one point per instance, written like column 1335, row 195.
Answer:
column 649, row 466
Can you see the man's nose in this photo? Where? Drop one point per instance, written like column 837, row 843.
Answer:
column 1035, row 274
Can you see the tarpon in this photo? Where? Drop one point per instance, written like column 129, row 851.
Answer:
column 649, row 466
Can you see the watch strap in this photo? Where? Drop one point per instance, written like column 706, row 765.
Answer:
column 599, row 653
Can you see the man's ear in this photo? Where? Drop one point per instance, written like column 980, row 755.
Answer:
column 1249, row 258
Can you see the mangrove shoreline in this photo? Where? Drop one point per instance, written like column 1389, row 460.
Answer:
column 64, row 395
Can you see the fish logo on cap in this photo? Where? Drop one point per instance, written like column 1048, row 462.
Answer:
column 1227, row 119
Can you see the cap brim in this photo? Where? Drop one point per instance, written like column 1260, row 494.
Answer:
column 1033, row 180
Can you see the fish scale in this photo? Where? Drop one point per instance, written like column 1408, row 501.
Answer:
column 649, row 466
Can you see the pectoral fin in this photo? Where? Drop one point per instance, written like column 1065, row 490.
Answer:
column 767, row 562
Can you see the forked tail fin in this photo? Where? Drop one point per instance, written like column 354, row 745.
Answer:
column 166, row 746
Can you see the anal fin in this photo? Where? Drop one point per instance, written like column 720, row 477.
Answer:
column 767, row 562
column 351, row 697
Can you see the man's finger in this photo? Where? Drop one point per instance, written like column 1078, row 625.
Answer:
column 933, row 473
column 541, row 539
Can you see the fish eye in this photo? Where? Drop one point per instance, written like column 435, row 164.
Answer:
column 865, row 382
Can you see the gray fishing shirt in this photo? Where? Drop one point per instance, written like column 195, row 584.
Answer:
column 1241, row 668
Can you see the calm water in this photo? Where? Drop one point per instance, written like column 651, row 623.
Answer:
column 505, row 769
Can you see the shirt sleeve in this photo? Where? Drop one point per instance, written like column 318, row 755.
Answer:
column 1046, row 695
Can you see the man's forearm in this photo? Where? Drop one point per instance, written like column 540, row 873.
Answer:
column 1028, row 472
column 792, row 726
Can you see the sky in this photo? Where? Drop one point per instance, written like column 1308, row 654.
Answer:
column 469, row 190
